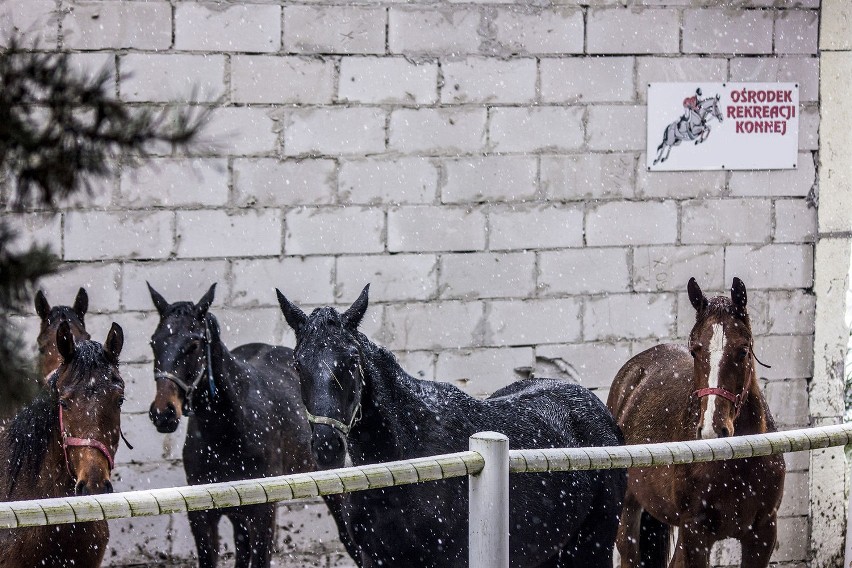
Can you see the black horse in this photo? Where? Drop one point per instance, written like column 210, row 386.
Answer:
column 359, row 398
column 246, row 419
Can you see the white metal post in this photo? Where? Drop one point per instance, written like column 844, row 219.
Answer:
column 488, row 521
column 847, row 561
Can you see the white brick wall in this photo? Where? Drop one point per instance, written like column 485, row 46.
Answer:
column 480, row 163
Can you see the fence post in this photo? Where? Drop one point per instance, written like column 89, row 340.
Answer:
column 847, row 556
column 488, row 520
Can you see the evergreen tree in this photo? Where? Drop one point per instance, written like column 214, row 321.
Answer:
column 59, row 130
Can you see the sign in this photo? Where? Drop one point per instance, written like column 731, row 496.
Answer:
column 723, row 126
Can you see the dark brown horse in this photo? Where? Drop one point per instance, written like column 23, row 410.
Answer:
column 708, row 390
column 64, row 444
column 49, row 357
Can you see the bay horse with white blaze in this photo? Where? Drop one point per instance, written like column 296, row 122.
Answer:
column 709, row 390
column 359, row 399
column 49, row 357
column 64, row 444
column 246, row 420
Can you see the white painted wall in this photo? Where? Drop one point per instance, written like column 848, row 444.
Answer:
column 480, row 163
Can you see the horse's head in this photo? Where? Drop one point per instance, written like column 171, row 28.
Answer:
column 51, row 317
column 180, row 344
column 89, row 391
column 330, row 363
column 721, row 345
column 717, row 112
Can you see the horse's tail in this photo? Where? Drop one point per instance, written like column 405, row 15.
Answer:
column 653, row 542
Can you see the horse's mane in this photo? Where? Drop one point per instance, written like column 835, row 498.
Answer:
column 720, row 308
column 29, row 434
column 179, row 309
column 60, row 313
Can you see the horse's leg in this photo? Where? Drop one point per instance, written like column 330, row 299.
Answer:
column 596, row 537
column 242, row 539
column 627, row 540
column 205, row 530
column 262, row 535
column 758, row 545
column 693, row 548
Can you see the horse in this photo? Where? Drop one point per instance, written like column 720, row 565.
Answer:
column 695, row 128
column 246, row 419
column 360, row 400
column 63, row 444
column 707, row 390
column 48, row 355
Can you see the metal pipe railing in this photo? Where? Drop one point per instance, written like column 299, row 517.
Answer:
column 489, row 462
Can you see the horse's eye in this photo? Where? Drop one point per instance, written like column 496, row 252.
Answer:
column 692, row 352
column 192, row 347
column 63, row 403
column 743, row 353
column 120, row 401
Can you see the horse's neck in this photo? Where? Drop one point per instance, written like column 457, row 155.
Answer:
column 388, row 400
column 52, row 479
column 224, row 371
column 754, row 417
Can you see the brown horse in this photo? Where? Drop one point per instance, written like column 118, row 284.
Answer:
column 64, row 444
column 708, row 390
column 49, row 357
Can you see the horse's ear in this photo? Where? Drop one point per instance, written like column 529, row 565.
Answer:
column 295, row 317
column 696, row 296
column 206, row 300
column 81, row 303
column 352, row 317
column 738, row 293
column 65, row 341
column 41, row 305
column 114, row 341
column 159, row 302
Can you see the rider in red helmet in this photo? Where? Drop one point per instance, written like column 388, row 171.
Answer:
column 691, row 103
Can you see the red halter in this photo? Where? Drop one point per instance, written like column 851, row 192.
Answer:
column 736, row 399
column 81, row 442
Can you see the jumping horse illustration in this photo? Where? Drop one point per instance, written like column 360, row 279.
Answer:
column 694, row 128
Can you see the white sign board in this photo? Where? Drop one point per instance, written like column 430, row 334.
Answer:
column 723, row 126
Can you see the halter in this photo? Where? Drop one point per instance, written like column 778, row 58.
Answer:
column 736, row 399
column 189, row 388
column 338, row 424
column 334, row 423
column 68, row 440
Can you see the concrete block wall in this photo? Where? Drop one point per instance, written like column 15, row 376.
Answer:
column 480, row 163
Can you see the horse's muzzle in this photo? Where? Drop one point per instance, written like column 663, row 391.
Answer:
column 328, row 447
column 165, row 421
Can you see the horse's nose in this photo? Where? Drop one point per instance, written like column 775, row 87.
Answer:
column 85, row 487
column 328, row 447
column 724, row 432
column 166, row 421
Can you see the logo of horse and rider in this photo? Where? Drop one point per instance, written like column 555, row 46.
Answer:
column 692, row 125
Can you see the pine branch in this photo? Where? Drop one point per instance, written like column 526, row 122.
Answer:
column 59, row 129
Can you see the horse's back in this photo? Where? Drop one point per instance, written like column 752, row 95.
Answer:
column 575, row 414
column 646, row 381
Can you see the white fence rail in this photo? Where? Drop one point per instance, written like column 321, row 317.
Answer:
column 488, row 460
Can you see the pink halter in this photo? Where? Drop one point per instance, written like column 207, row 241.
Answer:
column 81, row 442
